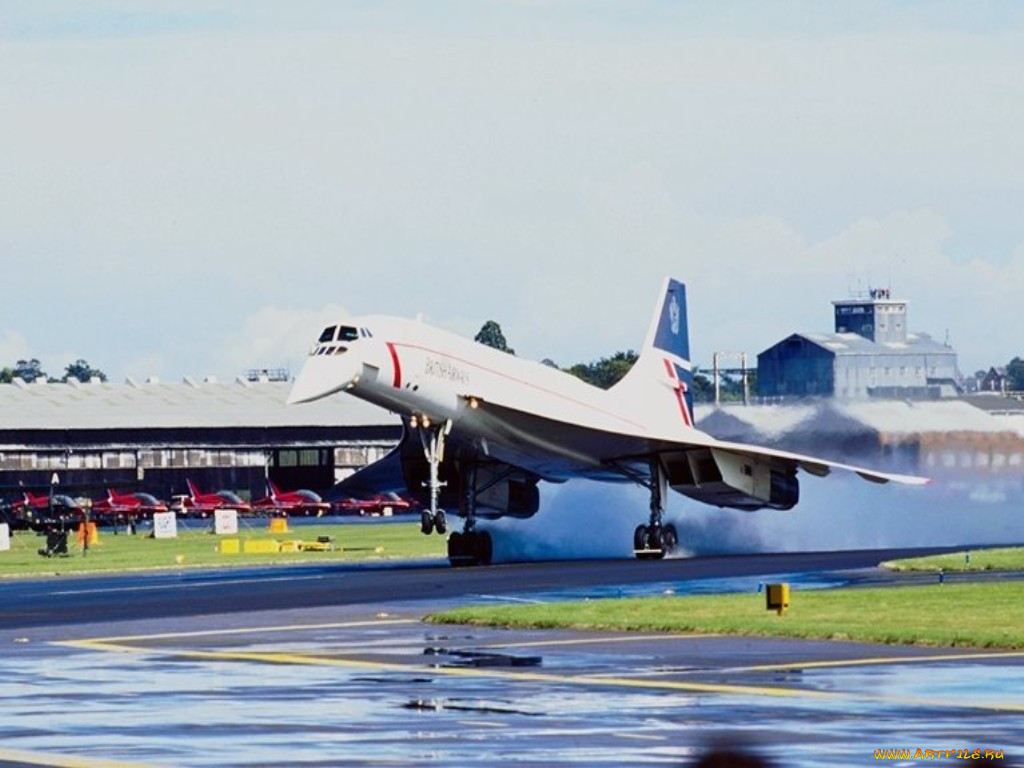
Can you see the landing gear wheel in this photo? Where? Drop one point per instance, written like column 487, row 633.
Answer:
column 669, row 539
column 426, row 523
column 649, row 542
column 656, row 543
column 640, row 537
column 457, row 554
column 470, row 548
column 440, row 522
column 483, row 548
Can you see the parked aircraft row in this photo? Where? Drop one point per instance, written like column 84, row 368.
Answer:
column 43, row 510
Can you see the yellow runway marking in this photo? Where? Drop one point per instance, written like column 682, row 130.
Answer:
column 123, row 645
column 62, row 761
column 878, row 660
column 249, row 631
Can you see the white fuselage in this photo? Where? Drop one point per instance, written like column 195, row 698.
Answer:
column 420, row 372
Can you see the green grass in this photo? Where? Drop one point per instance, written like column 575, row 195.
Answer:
column 989, row 615
column 195, row 546
column 1007, row 559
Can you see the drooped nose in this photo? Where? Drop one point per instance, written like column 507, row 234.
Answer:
column 323, row 375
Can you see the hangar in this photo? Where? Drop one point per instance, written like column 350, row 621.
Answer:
column 871, row 354
column 959, row 440
column 152, row 436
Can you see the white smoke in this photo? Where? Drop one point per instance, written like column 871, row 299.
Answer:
column 590, row 520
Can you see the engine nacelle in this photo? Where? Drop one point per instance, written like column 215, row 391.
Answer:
column 734, row 480
column 505, row 495
column 500, row 492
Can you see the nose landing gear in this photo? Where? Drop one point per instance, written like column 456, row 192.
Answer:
column 432, row 439
column 469, row 547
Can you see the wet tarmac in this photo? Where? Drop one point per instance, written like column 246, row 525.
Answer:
column 370, row 684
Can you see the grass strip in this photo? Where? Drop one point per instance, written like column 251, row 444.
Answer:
column 1003, row 559
column 989, row 615
column 197, row 546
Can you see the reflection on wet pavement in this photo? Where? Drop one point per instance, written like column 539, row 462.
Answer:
column 401, row 693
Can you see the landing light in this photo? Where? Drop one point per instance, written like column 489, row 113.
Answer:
column 413, row 421
column 473, row 403
column 426, row 422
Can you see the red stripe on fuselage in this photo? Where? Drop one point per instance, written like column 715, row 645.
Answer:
column 396, row 382
column 504, row 375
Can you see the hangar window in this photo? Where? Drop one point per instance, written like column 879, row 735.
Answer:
column 328, row 334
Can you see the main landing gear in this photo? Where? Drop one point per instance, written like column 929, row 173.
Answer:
column 655, row 540
column 470, row 547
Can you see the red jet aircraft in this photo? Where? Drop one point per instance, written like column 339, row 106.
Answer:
column 300, row 502
column 38, row 512
column 205, row 504
column 381, row 504
column 127, row 505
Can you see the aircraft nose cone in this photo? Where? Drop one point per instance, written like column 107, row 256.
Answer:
column 302, row 391
column 322, row 376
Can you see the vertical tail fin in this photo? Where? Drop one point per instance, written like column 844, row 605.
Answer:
column 192, row 490
column 665, row 358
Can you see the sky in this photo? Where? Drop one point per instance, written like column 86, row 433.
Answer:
column 195, row 188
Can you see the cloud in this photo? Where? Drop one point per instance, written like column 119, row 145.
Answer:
column 494, row 164
column 13, row 347
column 272, row 337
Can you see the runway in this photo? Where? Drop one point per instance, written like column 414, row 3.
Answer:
column 106, row 672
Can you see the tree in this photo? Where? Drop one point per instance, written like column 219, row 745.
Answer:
column 82, row 371
column 28, row 370
column 490, row 335
column 607, row 371
column 1015, row 374
column 703, row 389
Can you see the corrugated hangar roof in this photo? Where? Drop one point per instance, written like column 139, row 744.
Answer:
column 892, row 417
column 855, row 344
column 189, row 403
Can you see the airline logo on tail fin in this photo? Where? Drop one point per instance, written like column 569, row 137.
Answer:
column 665, row 358
column 671, row 333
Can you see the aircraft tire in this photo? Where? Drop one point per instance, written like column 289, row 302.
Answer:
column 426, row 523
column 669, row 539
column 657, row 543
column 440, row 522
column 457, row 549
column 640, row 537
column 483, row 548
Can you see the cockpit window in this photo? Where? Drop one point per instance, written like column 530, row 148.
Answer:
column 328, row 334
column 348, row 333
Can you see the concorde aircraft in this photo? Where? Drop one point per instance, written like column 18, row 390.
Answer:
column 490, row 426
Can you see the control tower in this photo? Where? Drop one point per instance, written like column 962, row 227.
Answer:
column 877, row 317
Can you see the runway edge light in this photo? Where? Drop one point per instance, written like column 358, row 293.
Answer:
column 776, row 597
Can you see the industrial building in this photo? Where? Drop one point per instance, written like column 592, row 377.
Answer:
column 153, row 436
column 870, row 354
column 953, row 439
